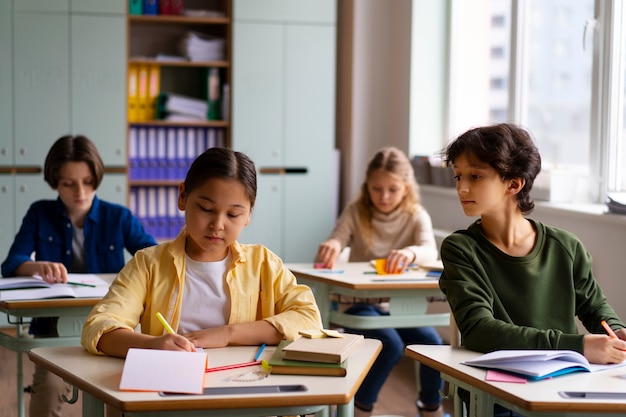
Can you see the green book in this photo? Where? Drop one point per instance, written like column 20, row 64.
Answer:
column 281, row 366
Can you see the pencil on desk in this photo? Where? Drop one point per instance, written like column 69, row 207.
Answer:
column 258, row 354
column 82, row 284
column 233, row 366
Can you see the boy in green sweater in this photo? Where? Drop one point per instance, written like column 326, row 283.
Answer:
column 512, row 282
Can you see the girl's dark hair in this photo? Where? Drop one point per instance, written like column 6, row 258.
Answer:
column 72, row 148
column 225, row 164
column 507, row 148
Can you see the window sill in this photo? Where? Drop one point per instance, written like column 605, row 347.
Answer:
column 582, row 211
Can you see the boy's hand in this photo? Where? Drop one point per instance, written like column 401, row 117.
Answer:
column 602, row 349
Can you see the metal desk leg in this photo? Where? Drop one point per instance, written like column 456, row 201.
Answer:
column 20, row 376
column 92, row 407
column 346, row 410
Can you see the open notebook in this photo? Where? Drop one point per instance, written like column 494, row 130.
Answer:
column 35, row 288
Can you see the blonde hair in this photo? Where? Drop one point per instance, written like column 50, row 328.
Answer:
column 394, row 161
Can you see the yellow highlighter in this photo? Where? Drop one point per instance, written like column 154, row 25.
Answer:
column 165, row 323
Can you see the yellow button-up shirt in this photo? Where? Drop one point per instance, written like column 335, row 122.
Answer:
column 259, row 285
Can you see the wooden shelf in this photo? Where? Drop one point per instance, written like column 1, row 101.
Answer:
column 163, row 63
column 196, row 123
column 186, row 20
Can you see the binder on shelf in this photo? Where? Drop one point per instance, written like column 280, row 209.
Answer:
column 154, row 87
column 190, row 147
column 142, row 94
column 150, row 7
column 162, row 223
column 142, row 153
column 172, row 163
column 221, row 138
column 200, row 140
column 165, row 7
column 176, row 6
column 133, row 94
column 132, row 153
column 132, row 201
column 213, row 94
column 211, row 141
column 152, row 211
column 152, row 154
column 135, row 7
column 162, row 160
column 142, row 209
column 172, row 212
column 181, row 154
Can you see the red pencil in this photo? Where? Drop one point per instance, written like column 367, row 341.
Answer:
column 233, row 366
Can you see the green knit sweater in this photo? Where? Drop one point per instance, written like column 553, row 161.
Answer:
column 527, row 302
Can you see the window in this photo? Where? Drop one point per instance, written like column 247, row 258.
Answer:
column 557, row 67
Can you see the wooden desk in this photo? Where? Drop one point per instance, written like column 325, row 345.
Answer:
column 71, row 313
column 539, row 398
column 407, row 293
column 99, row 377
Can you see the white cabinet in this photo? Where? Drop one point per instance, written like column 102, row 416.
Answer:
column 284, row 118
column 62, row 72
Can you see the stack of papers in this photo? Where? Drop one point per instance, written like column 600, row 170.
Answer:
column 199, row 47
column 181, row 108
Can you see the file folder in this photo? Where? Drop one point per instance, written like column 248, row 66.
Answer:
column 133, row 94
column 213, row 95
column 132, row 153
column 135, row 7
column 181, row 154
column 142, row 93
column 162, row 159
column 162, row 223
column 152, row 154
column 152, row 211
column 172, row 163
column 154, row 87
column 150, row 7
column 172, row 212
column 142, row 153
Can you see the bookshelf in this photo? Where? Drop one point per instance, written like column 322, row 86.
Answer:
column 178, row 103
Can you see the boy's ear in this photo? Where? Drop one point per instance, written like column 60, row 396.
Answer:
column 181, row 196
column 516, row 185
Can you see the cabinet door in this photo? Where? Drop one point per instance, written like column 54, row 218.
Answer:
column 258, row 75
column 311, row 11
column 283, row 107
column 99, row 6
column 41, row 80
column 7, row 220
column 6, row 85
column 113, row 188
column 98, row 65
column 310, row 198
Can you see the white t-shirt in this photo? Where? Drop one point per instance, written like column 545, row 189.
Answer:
column 205, row 302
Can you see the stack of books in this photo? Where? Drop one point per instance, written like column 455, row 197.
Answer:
column 200, row 47
column 325, row 356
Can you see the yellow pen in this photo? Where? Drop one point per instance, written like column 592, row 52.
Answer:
column 165, row 323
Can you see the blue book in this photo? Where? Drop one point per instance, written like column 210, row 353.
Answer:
column 150, row 7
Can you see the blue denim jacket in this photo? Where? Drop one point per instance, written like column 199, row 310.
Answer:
column 47, row 231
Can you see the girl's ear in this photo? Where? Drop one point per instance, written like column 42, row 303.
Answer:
column 516, row 185
column 181, row 196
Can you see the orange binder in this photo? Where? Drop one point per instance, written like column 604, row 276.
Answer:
column 132, row 94
column 143, row 113
column 154, row 87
